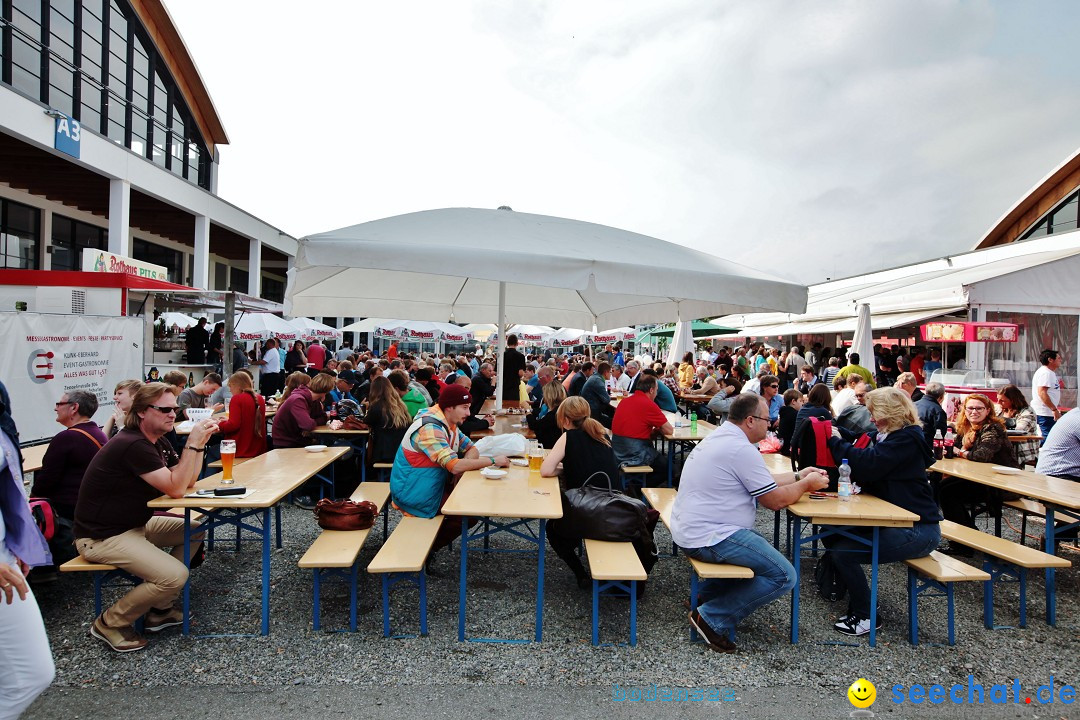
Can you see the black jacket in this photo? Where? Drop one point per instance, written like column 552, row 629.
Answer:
column 481, row 391
column 894, row 470
column 933, row 418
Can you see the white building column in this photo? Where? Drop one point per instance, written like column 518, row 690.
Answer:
column 120, row 217
column 254, row 267
column 201, row 275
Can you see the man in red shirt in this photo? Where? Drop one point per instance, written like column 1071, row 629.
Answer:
column 637, row 419
column 316, row 355
column 918, row 360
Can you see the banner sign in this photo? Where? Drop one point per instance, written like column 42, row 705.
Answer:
column 94, row 260
column 392, row 333
column 451, row 338
column 421, row 334
column 45, row 356
column 68, row 138
column 970, row 332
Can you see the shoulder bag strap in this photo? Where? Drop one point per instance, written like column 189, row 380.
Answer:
column 92, row 438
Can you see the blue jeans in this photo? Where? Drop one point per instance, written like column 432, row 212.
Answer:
column 895, row 544
column 724, row 603
column 1045, row 423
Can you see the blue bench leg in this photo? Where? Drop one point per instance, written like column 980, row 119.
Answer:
column 1023, row 597
column 988, row 603
column 633, row 613
column 277, row 519
column 693, row 601
column 315, row 603
column 423, row 601
column 952, row 612
column 913, row 607
column 386, row 605
column 595, row 612
column 99, row 578
column 352, row 595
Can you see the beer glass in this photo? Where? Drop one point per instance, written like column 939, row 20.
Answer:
column 228, row 452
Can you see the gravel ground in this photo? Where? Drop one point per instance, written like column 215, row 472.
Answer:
column 501, row 595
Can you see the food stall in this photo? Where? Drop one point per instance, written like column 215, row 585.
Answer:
column 959, row 382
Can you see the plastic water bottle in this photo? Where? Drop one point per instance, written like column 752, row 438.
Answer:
column 693, row 423
column 843, row 488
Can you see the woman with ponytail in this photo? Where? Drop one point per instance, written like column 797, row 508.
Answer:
column 583, row 450
column 246, row 423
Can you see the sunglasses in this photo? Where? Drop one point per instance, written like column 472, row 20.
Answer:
column 66, row 402
column 166, row 410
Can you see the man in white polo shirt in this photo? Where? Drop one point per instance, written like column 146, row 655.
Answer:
column 713, row 517
column 1046, row 391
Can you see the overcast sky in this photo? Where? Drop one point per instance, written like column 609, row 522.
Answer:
column 813, row 139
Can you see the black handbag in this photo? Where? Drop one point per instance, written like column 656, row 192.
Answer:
column 599, row 513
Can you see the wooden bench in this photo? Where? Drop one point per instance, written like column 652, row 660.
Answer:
column 403, row 558
column 615, row 568
column 336, row 553
column 1006, row 560
column 933, row 576
column 662, row 500
column 1026, row 507
column 625, row 470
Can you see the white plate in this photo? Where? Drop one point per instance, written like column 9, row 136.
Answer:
column 490, row 472
column 521, row 462
column 1005, row 470
column 315, row 448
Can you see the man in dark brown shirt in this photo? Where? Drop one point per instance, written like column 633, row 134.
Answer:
column 113, row 525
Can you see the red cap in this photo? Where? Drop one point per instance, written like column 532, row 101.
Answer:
column 454, row 395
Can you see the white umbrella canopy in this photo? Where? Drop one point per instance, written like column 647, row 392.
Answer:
column 568, row 337
column 260, row 326
column 313, row 329
column 449, row 265
column 863, row 340
column 177, row 319
column 681, row 343
column 371, row 324
column 614, row 335
column 481, row 331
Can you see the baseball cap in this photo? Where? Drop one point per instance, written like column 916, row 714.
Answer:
column 348, row 376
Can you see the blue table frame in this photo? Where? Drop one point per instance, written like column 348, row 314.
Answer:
column 489, row 528
column 1051, row 546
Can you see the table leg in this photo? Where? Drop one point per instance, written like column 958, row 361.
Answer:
column 671, row 464
column 1051, row 596
column 277, row 528
column 186, row 627
column 540, row 580
column 266, row 571
column 873, row 586
column 795, row 590
column 462, row 578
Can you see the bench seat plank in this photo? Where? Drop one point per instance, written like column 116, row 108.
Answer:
column 1003, row 549
column 374, row 492
column 408, row 547
column 335, row 549
column 943, row 568
column 614, row 561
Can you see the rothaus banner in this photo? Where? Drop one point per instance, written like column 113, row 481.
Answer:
column 44, row 356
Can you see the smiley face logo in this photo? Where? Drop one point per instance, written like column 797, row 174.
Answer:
column 862, row 693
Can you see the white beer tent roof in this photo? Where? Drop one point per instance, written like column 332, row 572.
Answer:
column 1028, row 276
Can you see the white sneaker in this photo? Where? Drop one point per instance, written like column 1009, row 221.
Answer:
column 854, row 625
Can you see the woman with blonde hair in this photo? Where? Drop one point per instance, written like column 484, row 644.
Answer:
column 893, row 469
column 123, row 394
column 544, row 421
column 246, row 423
column 295, row 380
column 584, row 451
column 388, row 417
column 686, row 371
column 982, row 438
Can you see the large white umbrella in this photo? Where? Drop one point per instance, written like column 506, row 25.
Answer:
column 260, row 326
column 481, row 331
column 567, row 337
column 682, row 342
column 471, row 265
column 614, row 335
column 314, row 330
column 177, row 319
column 863, row 340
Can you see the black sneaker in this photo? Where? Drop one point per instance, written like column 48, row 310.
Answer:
column 305, row 502
column 716, row 641
column 852, row 624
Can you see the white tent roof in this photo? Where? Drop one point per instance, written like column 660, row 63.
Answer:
column 912, row 293
column 448, row 265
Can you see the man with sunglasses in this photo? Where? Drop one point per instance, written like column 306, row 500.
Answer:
column 113, row 525
column 713, row 519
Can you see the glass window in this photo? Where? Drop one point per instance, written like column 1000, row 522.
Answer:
column 62, row 30
column 139, row 132
column 1039, row 230
column 272, row 289
column 90, row 62
column 193, row 162
column 238, row 279
column 25, row 66
column 116, row 111
column 61, row 87
column 161, row 99
column 90, row 115
column 70, row 238
column 1064, row 218
column 161, row 135
column 1018, row 361
column 19, row 235
column 152, row 253
column 26, row 16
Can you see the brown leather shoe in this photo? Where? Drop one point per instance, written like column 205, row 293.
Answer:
column 717, row 642
column 121, row 639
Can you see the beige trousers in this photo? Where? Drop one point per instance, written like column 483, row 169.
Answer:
column 138, row 551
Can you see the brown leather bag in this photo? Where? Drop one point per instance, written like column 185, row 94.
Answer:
column 345, row 514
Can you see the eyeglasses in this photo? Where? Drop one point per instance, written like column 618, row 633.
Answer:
column 758, row 417
column 166, row 410
column 975, row 408
column 66, row 402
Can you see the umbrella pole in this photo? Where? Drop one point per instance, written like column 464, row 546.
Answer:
column 502, row 346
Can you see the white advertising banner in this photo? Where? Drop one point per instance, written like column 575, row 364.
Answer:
column 44, row 356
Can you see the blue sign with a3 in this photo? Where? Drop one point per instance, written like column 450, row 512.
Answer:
column 68, row 135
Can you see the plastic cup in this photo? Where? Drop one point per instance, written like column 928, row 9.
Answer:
column 228, row 453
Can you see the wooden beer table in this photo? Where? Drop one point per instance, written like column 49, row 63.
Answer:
column 838, row 517
column 33, row 457
column 521, row 495
column 683, row 435
column 270, row 477
column 1057, row 495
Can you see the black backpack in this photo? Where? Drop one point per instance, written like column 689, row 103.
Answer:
column 829, row 583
